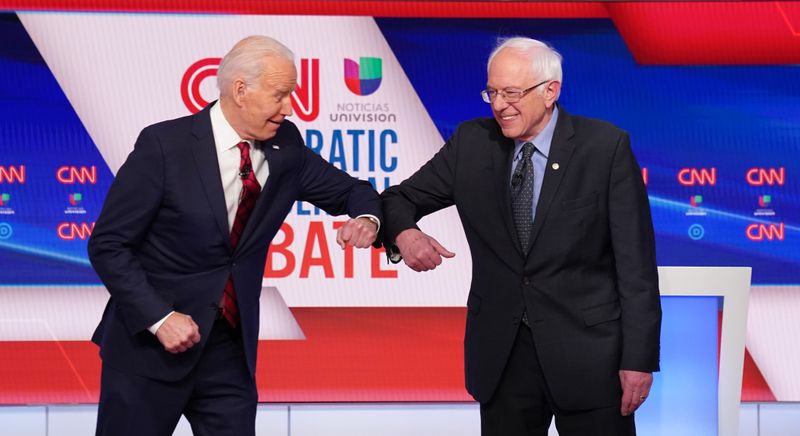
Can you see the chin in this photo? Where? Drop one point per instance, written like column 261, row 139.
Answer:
column 510, row 133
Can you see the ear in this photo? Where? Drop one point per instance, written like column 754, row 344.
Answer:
column 238, row 90
column 551, row 92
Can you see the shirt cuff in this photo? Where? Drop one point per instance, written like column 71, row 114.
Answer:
column 154, row 328
column 372, row 218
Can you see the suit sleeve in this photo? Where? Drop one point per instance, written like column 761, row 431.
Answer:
column 335, row 191
column 428, row 190
column 131, row 204
column 633, row 242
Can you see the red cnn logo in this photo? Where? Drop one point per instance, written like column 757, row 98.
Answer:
column 192, row 78
column 766, row 176
column 760, row 232
column 12, row 174
column 69, row 175
column 72, row 231
column 305, row 99
column 694, row 176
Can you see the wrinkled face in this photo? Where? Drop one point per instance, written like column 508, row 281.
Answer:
column 511, row 70
column 264, row 105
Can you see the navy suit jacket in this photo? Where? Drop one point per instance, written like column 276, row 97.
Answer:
column 589, row 281
column 161, row 242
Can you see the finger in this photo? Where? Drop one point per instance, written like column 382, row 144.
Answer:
column 359, row 239
column 367, row 238
column 187, row 341
column 411, row 263
column 195, row 337
column 339, row 238
column 429, row 262
column 627, row 403
column 441, row 250
column 422, row 263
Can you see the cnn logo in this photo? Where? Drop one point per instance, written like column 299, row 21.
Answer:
column 697, row 176
column 768, row 232
column 72, row 231
column 12, row 174
column 766, row 176
column 305, row 98
column 69, row 175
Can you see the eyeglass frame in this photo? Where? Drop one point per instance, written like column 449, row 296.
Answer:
column 487, row 98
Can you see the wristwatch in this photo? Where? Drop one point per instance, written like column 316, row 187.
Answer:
column 393, row 253
column 373, row 219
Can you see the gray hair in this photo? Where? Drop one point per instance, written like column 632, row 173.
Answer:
column 246, row 60
column 545, row 60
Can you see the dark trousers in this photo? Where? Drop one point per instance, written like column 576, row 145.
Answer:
column 218, row 397
column 523, row 406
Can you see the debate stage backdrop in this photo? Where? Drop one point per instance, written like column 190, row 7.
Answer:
column 708, row 92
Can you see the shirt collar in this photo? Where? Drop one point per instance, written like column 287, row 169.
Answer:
column 225, row 137
column 543, row 140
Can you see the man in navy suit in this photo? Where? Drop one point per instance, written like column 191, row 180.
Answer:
column 564, row 313
column 182, row 241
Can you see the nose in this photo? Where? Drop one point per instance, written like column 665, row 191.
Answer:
column 286, row 106
column 499, row 103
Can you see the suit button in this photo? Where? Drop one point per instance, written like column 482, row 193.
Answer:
column 526, row 281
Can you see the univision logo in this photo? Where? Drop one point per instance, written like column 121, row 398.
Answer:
column 363, row 79
column 75, row 198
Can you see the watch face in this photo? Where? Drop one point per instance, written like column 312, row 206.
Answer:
column 393, row 253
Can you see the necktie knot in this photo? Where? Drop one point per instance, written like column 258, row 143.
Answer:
column 245, row 165
column 527, row 151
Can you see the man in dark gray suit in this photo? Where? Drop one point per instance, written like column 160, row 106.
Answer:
column 564, row 313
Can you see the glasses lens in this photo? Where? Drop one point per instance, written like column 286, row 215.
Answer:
column 512, row 96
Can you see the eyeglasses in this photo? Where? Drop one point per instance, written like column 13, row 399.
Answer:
column 509, row 95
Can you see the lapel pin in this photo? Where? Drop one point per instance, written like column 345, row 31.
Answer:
column 555, row 166
column 276, row 147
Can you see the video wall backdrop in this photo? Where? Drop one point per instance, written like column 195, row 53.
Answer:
column 713, row 113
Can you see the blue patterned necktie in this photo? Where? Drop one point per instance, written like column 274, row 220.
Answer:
column 522, row 197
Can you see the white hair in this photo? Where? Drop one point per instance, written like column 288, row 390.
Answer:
column 545, row 60
column 246, row 61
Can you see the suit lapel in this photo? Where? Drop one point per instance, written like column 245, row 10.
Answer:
column 501, row 170
column 560, row 153
column 205, row 156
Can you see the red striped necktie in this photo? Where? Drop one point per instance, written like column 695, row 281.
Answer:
column 247, row 201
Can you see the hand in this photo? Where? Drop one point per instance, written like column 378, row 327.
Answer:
column 635, row 389
column 178, row 333
column 421, row 252
column 358, row 232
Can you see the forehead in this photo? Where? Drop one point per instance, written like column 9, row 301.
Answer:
column 279, row 73
column 510, row 68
